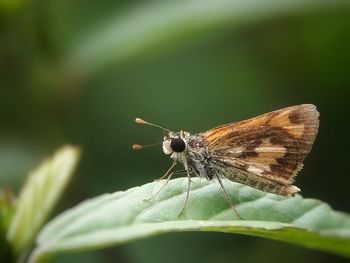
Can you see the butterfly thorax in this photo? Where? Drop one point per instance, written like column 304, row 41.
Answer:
column 198, row 157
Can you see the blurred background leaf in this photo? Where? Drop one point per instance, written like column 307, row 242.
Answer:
column 38, row 196
column 155, row 26
column 204, row 69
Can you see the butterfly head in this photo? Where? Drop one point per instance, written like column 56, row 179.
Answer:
column 174, row 142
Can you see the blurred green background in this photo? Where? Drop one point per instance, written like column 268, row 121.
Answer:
column 80, row 71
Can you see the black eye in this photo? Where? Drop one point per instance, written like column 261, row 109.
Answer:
column 177, row 145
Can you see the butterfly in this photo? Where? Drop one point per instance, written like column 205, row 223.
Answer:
column 265, row 152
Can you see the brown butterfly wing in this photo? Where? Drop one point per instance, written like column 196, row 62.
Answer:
column 267, row 151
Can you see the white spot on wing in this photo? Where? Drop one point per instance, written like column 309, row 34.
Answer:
column 236, row 150
column 271, row 149
column 255, row 170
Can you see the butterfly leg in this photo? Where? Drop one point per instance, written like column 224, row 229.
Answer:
column 188, row 192
column 227, row 198
column 180, row 172
column 169, row 174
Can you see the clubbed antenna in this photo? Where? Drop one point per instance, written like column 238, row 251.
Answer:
column 141, row 121
column 137, row 147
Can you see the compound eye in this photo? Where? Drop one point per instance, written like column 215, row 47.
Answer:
column 177, row 145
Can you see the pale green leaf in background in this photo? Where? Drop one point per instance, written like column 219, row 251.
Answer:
column 39, row 195
column 113, row 219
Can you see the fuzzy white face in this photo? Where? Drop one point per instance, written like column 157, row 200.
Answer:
column 166, row 147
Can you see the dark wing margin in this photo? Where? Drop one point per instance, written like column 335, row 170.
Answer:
column 267, row 151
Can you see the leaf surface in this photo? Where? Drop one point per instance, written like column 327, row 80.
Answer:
column 121, row 217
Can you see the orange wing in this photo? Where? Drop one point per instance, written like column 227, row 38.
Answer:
column 268, row 149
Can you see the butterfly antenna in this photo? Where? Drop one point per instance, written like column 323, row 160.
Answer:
column 137, row 147
column 141, row 121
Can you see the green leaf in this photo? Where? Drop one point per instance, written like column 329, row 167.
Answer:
column 113, row 219
column 39, row 195
column 161, row 23
column 6, row 213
